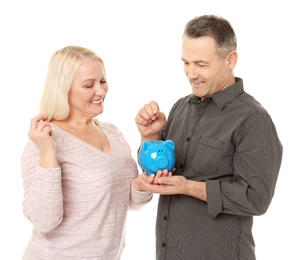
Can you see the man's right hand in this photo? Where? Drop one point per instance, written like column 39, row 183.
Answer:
column 150, row 121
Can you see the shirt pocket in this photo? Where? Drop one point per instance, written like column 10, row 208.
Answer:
column 207, row 156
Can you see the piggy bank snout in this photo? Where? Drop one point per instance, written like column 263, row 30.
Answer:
column 161, row 162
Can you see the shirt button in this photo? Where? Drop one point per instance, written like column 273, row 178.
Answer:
column 165, row 217
column 181, row 165
column 163, row 244
column 188, row 139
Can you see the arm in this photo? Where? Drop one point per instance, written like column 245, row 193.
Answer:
column 256, row 164
column 43, row 202
column 164, row 183
column 257, row 161
column 138, row 198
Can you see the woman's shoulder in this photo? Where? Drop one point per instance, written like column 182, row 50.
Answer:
column 57, row 132
column 107, row 126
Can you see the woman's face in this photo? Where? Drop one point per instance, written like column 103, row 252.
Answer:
column 88, row 90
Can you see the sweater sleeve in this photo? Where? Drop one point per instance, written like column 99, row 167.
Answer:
column 138, row 199
column 43, row 201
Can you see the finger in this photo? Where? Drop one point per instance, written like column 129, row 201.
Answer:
column 47, row 130
column 146, row 178
column 143, row 117
column 35, row 120
column 143, row 175
column 157, row 176
column 166, row 180
column 155, row 108
column 151, row 109
column 165, row 173
column 150, row 187
column 42, row 125
column 151, row 178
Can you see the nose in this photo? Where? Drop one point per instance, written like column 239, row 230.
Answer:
column 101, row 89
column 191, row 72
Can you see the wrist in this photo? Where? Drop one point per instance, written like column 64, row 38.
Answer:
column 49, row 160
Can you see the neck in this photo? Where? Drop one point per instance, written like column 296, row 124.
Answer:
column 81, row 126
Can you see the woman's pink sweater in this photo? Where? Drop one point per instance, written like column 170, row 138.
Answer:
column 78, row 210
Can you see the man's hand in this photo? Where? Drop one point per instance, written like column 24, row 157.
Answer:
column 163, row 182
column 150, row 121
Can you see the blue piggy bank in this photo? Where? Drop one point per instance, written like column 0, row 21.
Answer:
column 156, row 155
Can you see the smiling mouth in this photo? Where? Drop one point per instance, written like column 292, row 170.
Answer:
column 97, row 101
column 198, row 82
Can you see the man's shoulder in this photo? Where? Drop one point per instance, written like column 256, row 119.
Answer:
column 249, row 102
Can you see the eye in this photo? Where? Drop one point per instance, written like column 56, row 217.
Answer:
column 103, row 81
column 89, row 86
column 202, row 65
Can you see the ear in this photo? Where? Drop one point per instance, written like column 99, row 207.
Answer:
column 169, row 143
column 232, row 59
column 145, row 145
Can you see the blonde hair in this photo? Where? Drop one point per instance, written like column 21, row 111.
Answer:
column 62, row 68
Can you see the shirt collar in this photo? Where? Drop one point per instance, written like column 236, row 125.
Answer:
column 224, row 97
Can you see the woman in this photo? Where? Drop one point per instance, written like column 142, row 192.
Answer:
column 77, row 171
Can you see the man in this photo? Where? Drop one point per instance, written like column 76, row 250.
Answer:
column 228, row 154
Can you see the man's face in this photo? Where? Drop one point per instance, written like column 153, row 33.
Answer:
column 206, row 71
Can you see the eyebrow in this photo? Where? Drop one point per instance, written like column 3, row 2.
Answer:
column 196, row 61
column 104, row 78
column 88, row 80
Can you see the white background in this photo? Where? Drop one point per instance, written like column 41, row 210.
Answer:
column 140, row 42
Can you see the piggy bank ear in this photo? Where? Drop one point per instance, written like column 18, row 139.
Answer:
column 145, row 145
column 170, row 144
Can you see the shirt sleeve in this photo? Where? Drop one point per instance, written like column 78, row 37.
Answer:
column 256, row 162
column 43, row 200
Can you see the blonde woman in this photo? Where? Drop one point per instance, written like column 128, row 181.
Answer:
column 77, row 171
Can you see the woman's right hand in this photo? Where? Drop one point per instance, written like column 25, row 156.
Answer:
column 41, row 134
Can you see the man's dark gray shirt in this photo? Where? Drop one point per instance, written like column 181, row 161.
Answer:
column 229, row 142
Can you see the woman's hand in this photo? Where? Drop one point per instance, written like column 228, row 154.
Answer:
column 41, row 134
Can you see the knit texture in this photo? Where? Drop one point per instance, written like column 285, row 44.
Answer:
column 78, row 210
